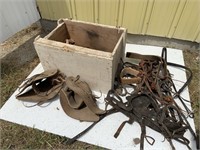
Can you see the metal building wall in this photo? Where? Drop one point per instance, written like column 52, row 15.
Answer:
column 166, row 18
column 16, row 15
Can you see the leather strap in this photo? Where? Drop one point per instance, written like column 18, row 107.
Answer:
column 127, row 72
column 152, row 104
column 84, row 114
column 78, row 87
column 37, row 78
column 43, row 87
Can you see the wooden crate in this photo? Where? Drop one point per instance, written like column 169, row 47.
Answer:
column 94, row 56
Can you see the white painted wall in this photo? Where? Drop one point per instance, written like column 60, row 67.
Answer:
column 16, row 15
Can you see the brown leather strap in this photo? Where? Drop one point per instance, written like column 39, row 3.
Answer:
column 84, row 114
column 151, row 103
column 78, row 102
column 77, row 87
column 74, row 101
column 130, row 80
column 36, row 78
column 31, row 96
column 43, row 87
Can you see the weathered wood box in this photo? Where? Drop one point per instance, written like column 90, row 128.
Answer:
column 94, row 56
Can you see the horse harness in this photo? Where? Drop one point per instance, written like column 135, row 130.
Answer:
column 142, row 91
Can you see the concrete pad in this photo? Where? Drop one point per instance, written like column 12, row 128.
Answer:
column 51, row 118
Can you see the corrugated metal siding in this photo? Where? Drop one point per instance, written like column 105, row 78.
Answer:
column 16, row 15
column 188, row 25
column 166, row 18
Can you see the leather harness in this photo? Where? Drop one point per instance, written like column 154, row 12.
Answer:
column 150, row 103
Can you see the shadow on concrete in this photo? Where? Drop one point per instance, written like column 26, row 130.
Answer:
column 162, row 41
column 21, row 55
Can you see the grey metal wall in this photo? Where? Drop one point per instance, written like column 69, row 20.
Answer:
column 16, row 15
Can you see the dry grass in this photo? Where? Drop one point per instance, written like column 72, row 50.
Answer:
column 192, row 60
column 14, row 136
column 12, row 76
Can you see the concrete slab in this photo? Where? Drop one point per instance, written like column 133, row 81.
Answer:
column 162, row 41
column 51, row 118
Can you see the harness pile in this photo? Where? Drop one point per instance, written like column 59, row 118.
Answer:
column 142, row 91
column 152, row 102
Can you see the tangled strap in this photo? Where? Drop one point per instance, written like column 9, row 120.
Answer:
column 151, row 103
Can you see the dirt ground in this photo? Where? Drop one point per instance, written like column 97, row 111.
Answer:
column 15, row 136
